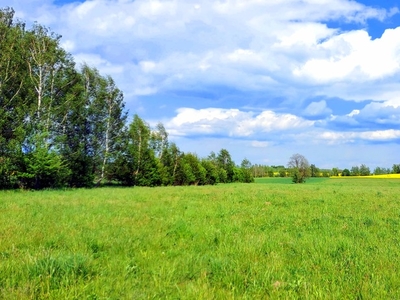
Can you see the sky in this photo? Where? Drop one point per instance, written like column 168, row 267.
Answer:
column 264, row 79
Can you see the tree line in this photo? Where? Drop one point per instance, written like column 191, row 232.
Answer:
column 64, row 126
column 260, row 170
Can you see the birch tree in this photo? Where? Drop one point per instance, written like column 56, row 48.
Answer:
column 12, row 102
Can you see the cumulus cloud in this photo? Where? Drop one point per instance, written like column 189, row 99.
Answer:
column 381, row 113
column 353, row 56
column 344, row 137
column 260, row 144
column 252, row 45
column 232, row 122
column 317, row 109
column 377, row 116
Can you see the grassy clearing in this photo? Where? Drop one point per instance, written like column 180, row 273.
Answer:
column 326, row 239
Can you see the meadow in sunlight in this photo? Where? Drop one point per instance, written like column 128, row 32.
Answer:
column 327, row 239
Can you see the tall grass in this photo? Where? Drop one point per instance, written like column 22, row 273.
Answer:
column 330, row 239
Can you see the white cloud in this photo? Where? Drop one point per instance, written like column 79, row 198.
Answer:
column 260, row 144
column 346, row 137
column 354, row 112
column 250, row 45
column 317, row 109
column 303, row 34
column 147, row 66
column 380, row 113
column 232, row 122
column 353, row 56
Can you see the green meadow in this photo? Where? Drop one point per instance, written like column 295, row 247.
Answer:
column 326, row 239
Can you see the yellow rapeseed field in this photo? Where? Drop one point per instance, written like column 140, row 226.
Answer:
column 371, row 176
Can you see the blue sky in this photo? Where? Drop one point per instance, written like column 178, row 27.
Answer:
column 263, row 79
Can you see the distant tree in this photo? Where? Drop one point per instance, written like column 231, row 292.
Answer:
column 183, row 172
column 189, row 170
column 211, row 172
column 169, row 162
column 225, row 162
column 245, row 167
column 282, row 173
column 300, row 168
column 139, row 166
column 197, row 173
column 314, row 171
column 380, row 171
column 277, row 167
column 335, row 172
column 326, row 173
column 223, row 177
column 237, row 174
column 346, row 172
column 259, row 170
column 355, row 171
column 159, row 140
column 396, row 168
column 364, row 170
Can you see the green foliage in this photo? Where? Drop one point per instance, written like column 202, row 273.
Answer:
column 185, row 175
column 346, row 172
column 355, row 171
column 300, row 168
column 364, row 170
column 380, row 171
column 211, row 175
column 196, row 173
column 314, row 171
column 335, row 172
column 361, row 170
column 44, row 169
column 238, row 175
column 296, row 178
column 140, row 158
column 222, row 175
column 224, row 162
column 169, row 162
column 246, row 170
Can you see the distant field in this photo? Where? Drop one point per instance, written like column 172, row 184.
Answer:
column 326, row 239
column 385, row 176
column 288, row 180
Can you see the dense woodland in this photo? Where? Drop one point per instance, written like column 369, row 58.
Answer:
column 66, row 126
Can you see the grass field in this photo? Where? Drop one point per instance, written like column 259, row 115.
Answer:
column 326, row 239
